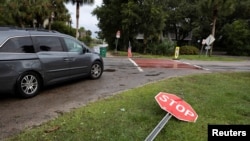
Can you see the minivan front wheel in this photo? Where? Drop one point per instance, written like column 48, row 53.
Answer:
column 96, row 70
column 28, row 85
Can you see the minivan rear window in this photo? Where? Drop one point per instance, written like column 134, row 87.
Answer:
column 18, row 45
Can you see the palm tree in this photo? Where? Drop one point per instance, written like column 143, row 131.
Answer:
column 78, row 4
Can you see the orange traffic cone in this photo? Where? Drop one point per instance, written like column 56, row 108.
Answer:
column 129, row 52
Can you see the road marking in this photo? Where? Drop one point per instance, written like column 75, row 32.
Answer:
column 194, row 65
column 139, row 68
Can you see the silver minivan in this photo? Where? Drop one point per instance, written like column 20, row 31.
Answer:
column 31, row 59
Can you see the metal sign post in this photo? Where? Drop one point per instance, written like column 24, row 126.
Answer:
column 118, row 34
column 116, row 43
column 158, row 128
column 203, row 43
column 207, row 48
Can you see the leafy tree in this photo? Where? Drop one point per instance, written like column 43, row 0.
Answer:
column 241, row 11
column 108, row 24
column 86, row 39
column 152, row 18
column 151, row 22
column 58, row 11
column 19, row 12
column 213, row 9
column 78, row 4
column 4, row 13
column 130, row 17
column 182, row 19
column 236, row 37
column 60, row 26
column 32, row 13
column 129, row 24
column 85, row 36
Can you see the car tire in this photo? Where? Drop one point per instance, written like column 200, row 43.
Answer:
column 96, row 70
column 28, row 85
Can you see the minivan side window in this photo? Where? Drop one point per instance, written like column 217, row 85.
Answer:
column 73, row 46
column 18, row 45
column 49, row 43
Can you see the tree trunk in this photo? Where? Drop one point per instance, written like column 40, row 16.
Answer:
column 213, row 33
column 145, row 41
column 77, row 19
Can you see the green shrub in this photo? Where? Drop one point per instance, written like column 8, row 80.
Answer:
column 164, row 48
column 236, row 38
column 189, row 50
column 63, row 28
column 87, row 40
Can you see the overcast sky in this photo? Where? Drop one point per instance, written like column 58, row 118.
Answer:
column 86, row 19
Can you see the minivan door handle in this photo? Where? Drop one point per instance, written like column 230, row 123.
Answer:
column 66, row 59
column 69, row 59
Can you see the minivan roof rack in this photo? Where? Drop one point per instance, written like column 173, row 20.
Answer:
column 5, row 28
column 8, row 27
column 40, row 29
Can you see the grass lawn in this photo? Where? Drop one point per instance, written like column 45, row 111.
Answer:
column 217, row 98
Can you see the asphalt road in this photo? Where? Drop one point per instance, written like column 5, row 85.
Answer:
column 217, row 66
column 120, row 74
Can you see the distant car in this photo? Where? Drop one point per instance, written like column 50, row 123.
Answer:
column 31, row 59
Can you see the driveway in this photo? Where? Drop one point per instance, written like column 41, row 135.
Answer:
column 120, row 74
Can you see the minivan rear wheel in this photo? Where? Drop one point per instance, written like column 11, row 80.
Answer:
column 28, row 85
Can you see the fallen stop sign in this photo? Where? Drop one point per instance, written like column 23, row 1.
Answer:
column 176, row 106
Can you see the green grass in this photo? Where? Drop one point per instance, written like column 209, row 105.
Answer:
column 218, row 98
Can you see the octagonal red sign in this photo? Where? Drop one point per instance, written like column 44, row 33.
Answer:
column 176, row 106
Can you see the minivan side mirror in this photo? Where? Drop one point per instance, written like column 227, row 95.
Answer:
column 84, row 50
